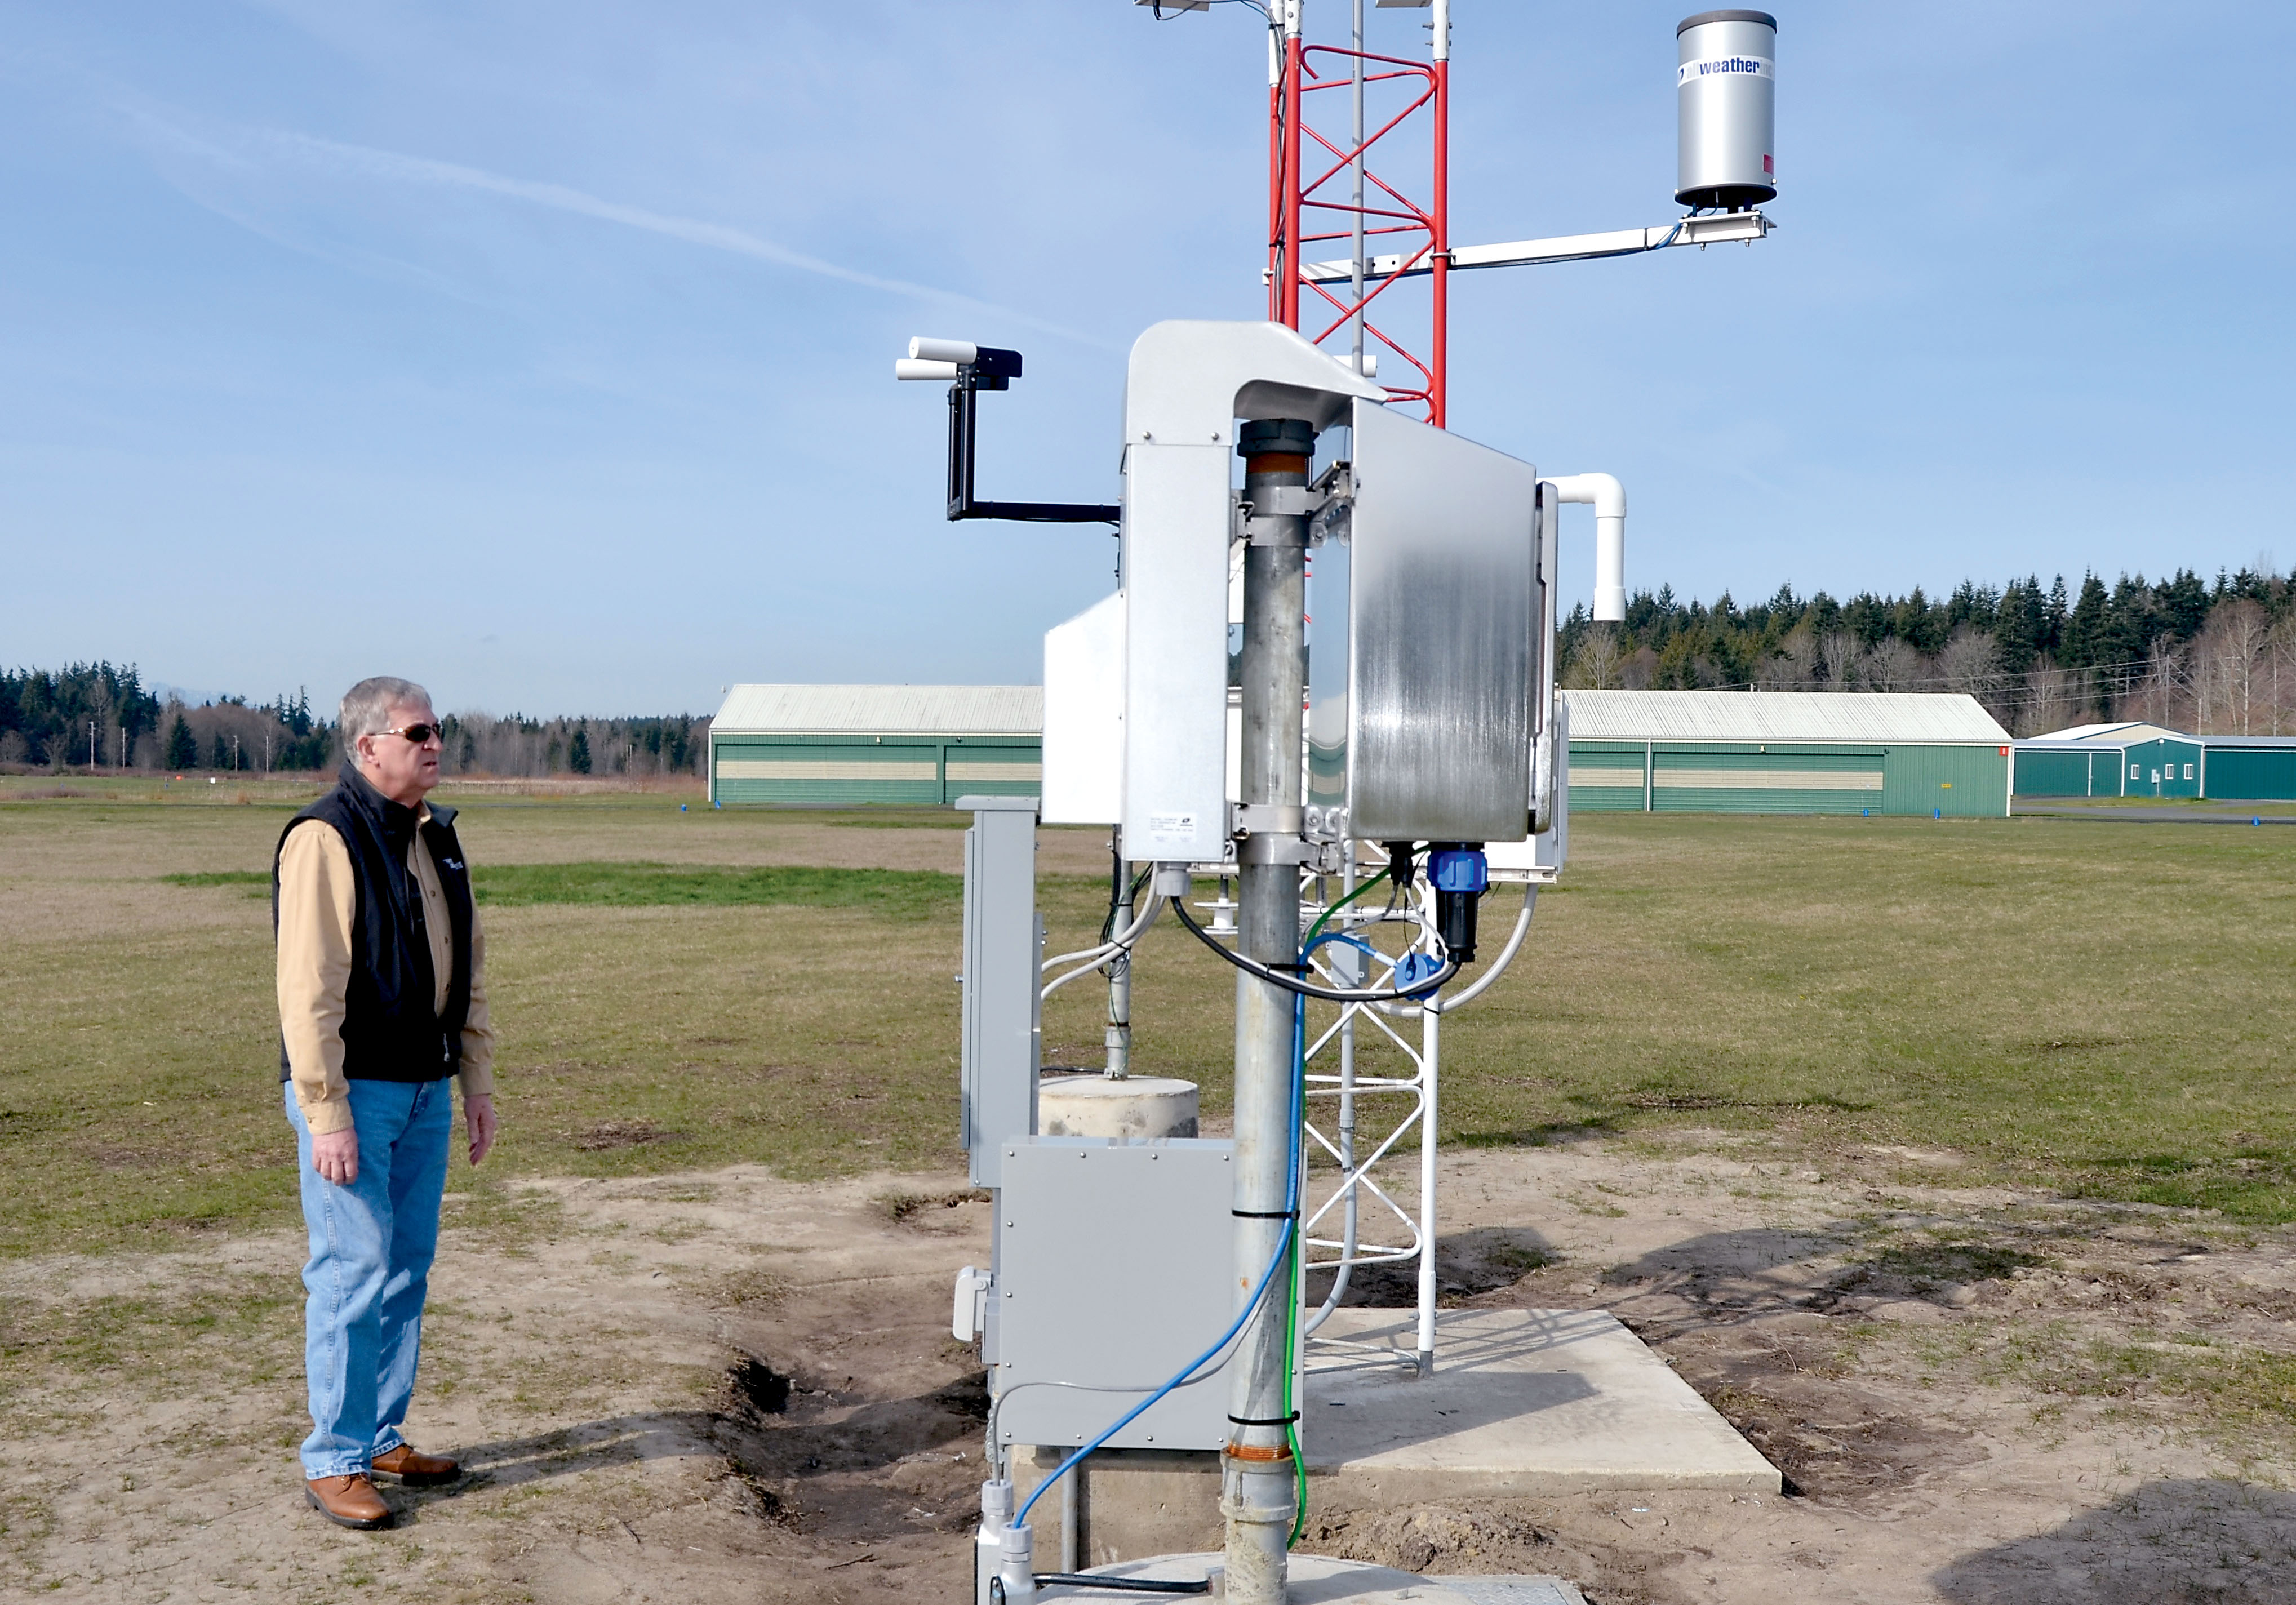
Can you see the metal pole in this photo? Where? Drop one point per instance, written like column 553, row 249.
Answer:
column 1294, row 64
column 1356, row 319
column 1439, row 359
column 1258, row 1500
column 1431, row 1053
column 1119, row 979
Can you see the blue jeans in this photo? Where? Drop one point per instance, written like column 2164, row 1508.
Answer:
column 372, row 1244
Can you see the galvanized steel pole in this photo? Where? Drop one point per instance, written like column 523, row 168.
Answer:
column 1258, row 1500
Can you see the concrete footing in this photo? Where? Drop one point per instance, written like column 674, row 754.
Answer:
column 1139, row 1107
column 1522, row 1402
column 1320, row 1580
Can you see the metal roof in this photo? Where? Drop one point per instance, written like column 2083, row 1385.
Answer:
column 2115, row 736
column 882, row 710
column 1907, row 717
column 2130, row 732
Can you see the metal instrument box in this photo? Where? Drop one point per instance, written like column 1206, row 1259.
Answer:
column 1114, row 1268
column 1444, row 636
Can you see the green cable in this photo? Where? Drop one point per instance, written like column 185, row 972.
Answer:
column 1292, row 1334
column 1291, row 1303
column 1312, row 930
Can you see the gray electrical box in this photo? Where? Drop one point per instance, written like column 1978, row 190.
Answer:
column 1115, row 1266
column 1443, row 635
column 1002, row 1034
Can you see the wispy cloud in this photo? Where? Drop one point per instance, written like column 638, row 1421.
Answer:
column 284, row 147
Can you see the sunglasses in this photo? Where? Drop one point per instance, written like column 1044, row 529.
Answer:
column 417, row 733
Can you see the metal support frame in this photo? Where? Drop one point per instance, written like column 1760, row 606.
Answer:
column 996, row 370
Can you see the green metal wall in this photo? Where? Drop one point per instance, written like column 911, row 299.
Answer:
column 2054, row 774
column 1607, row 776
column 1959, row 783
column 919, row 771
column 1746, row 777
column 2158, row 769
column 1736, row 777
column 2250, row 773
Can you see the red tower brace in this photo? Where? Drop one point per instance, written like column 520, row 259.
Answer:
column 1313, row 199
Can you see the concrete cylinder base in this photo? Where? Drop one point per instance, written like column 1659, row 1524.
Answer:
column 1137, row 1107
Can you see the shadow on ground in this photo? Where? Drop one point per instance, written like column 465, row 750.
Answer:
column 2172, row 1543
column 1468, row 1263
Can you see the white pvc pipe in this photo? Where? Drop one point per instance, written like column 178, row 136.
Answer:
column 926, row 348
column 1609, row 501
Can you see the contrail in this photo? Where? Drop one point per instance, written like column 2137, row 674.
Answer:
column 310, row 151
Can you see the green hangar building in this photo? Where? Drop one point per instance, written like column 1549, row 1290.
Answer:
column 924, row 746
column 2137, row 760
column 1786, row 752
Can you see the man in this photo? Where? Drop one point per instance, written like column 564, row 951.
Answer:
column 382, row 999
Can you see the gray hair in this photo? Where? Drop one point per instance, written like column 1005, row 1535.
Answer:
column 366, row 707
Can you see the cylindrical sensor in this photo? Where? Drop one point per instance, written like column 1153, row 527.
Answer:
column 1727, row 94
column 925, row 348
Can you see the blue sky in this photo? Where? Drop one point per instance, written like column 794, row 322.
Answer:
column 542, row 351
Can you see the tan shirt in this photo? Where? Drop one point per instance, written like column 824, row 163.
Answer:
column 318, row 898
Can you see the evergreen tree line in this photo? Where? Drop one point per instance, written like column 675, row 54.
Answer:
column 47, row 719
column 52, row 717
column 2218, row 659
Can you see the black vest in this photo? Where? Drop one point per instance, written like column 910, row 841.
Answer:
column 390, row 1032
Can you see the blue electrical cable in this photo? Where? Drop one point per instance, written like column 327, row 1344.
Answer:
column 1258, row 1294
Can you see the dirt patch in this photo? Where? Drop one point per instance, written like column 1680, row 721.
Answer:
column 730, row 1387
column 918, row 1210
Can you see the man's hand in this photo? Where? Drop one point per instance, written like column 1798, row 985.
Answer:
column 334, row 1155
column 479, row 1115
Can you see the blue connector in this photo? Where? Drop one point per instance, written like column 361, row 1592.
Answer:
column 1459, row 870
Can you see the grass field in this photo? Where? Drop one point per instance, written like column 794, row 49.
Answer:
column 2100, row 1005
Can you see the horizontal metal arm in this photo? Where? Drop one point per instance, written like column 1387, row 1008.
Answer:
column 1719, row 229
column 963, row 503
column 1041, row 513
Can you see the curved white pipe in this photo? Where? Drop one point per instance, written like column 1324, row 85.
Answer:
column 1498, row 965
column 1609, row 500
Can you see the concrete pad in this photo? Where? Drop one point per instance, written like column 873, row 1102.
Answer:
column 1310, row 1580
column 1522, row 1402
column 1512, row 1590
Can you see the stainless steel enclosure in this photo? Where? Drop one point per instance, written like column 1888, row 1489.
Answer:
column 1444, row 634
column 1727, row 94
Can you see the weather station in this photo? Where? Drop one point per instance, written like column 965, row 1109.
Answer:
column 1319, row 717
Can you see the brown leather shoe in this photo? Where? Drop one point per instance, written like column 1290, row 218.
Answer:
column 348, row 1501
column 415, row 1468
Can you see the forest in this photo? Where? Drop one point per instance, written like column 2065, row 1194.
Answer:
column 95, row 715
column 2215, row 658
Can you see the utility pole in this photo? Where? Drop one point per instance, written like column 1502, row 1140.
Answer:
column 1258, row 1499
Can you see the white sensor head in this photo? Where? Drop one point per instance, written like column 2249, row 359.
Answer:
column 906, row 367
column 960, row 352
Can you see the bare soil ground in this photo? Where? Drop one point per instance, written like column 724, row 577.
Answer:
column 728, row 1387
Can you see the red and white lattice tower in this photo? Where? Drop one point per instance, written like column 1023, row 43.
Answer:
column 1348, row 234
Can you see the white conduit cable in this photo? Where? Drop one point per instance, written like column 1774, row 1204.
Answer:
column 1114, row 945
column 1095, row 957
column 1444, row 1005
